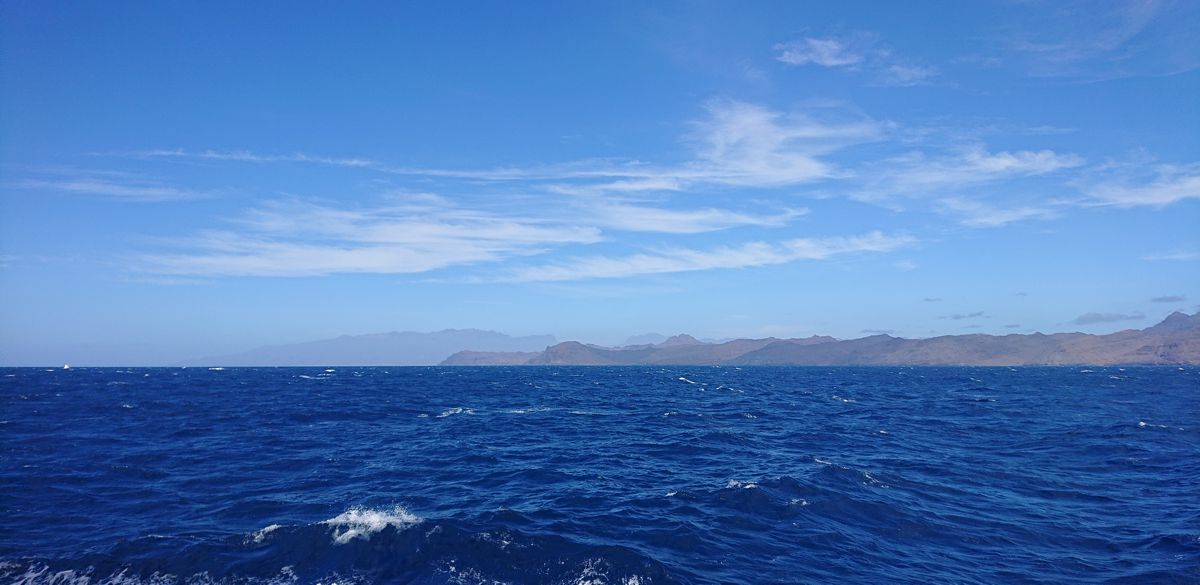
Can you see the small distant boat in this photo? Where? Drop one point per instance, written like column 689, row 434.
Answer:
column 66, row 366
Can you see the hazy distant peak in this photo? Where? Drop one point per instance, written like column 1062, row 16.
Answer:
column 681, row 339
column 645, row 339
column 390, row 349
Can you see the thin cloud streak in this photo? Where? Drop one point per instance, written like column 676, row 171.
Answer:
column 125, row 190
column 746, row 255
column 641, row 218
column 293, row 238
column 736, row 144
column 861, row 52
column 1167, row 185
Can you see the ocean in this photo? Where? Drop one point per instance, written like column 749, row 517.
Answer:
column 593, row 475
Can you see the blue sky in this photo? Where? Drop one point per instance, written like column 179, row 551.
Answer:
column 184, row 179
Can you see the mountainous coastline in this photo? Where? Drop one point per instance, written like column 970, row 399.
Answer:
column 1176, row 340
column 406, row 348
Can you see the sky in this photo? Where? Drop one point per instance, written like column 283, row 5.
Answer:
column 198, row 178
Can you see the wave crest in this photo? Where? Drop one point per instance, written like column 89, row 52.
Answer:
column 359, row 522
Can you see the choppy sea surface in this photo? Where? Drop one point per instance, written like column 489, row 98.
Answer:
column 591, row 475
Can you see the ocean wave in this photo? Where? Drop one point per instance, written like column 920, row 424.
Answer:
column 363, row 522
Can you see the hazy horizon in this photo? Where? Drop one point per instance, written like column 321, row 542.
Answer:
column 190, row 181
column 647, row 338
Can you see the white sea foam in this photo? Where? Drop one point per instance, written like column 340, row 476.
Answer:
column 682, row 379
column 261, row 535
column 1143, row 424
column 746, row 485
column 37, row 574
column 363, row 522
column 216, row 369
column 528, row 410
column 822, row 461
column 454, row 411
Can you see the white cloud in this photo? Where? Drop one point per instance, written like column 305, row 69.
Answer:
column 641, row 218
column 745, row 144
column 735, row 144
column 961, row 183
column 919, row 174
column 1176, row 256
column 978, row 214
column 1095, row 41
column 291, row 238
column 824, row 52
column 862, row 52
column 1167, row 184
column 246, row 156
column 685, row 259
column 125, row 189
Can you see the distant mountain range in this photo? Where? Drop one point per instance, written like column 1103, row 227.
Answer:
column 1176, row 340
column 382, row 349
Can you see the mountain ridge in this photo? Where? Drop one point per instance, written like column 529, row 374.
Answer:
column 1174, row 340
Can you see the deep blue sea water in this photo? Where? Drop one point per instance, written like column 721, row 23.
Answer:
column 630, row 475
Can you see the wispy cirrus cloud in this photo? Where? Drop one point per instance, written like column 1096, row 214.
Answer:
column 1132, row 186
column 298, row 238
column 1174, row 256
column 735, row 143
column 920, row 174
column 826, row 52
column 979, row 214
column 106, row 184
column 644, row 218
column 737, row 146
column 859, row 52
column 746, row 255
column 1089, row 41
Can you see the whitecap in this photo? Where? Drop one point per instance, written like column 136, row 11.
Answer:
column 454, row 411
column 1143, row 424
column 216, row 369
column 259, row 536
column 746, row 485
column 821, row 461
column 682, row 379
column 330, row 371
column 363, row 522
